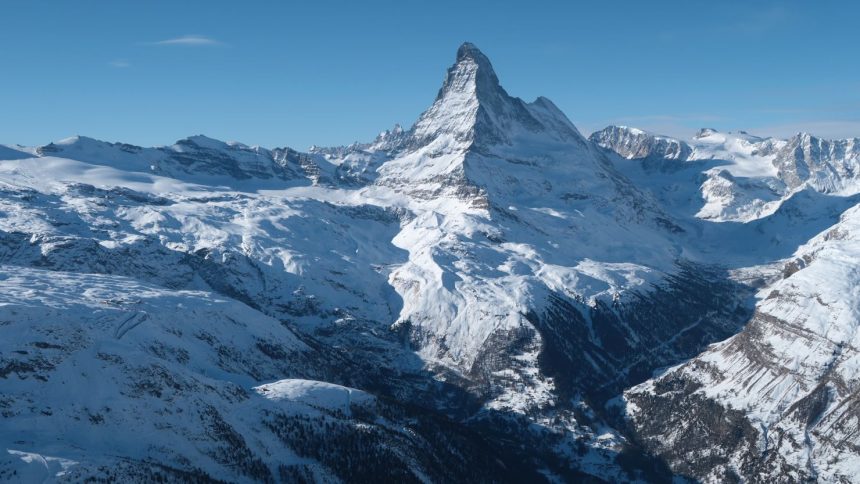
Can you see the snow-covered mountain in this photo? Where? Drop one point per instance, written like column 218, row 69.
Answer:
column 635, row 144
column 741, row 177
column 409, row 308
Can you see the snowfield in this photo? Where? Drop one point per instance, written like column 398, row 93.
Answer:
column 314, row 393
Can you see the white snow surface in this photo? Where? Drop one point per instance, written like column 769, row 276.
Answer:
column 314, row 393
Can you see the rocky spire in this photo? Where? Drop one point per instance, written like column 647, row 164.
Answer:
column 473, row 74
column 473, row 108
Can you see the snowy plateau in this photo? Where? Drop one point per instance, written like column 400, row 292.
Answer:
column 487, row 296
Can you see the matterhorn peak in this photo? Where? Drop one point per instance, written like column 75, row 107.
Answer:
column 471, row 75
column 472, row 62
column 473, row 108
column 469, row 50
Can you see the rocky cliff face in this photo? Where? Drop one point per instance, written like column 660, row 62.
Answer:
column 635, row 144
column 827, row 165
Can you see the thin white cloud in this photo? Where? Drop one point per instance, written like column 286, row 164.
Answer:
column 673, row 118
column 189, row 40
column 762, row 21
column 120, row 64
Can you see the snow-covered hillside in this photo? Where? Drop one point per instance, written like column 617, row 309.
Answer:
column 783, row 392
column 402, row 309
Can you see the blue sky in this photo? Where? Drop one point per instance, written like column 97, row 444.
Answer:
column 322, row 72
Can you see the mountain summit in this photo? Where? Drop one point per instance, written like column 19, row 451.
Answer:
column 473, row 108
column 485, row 76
